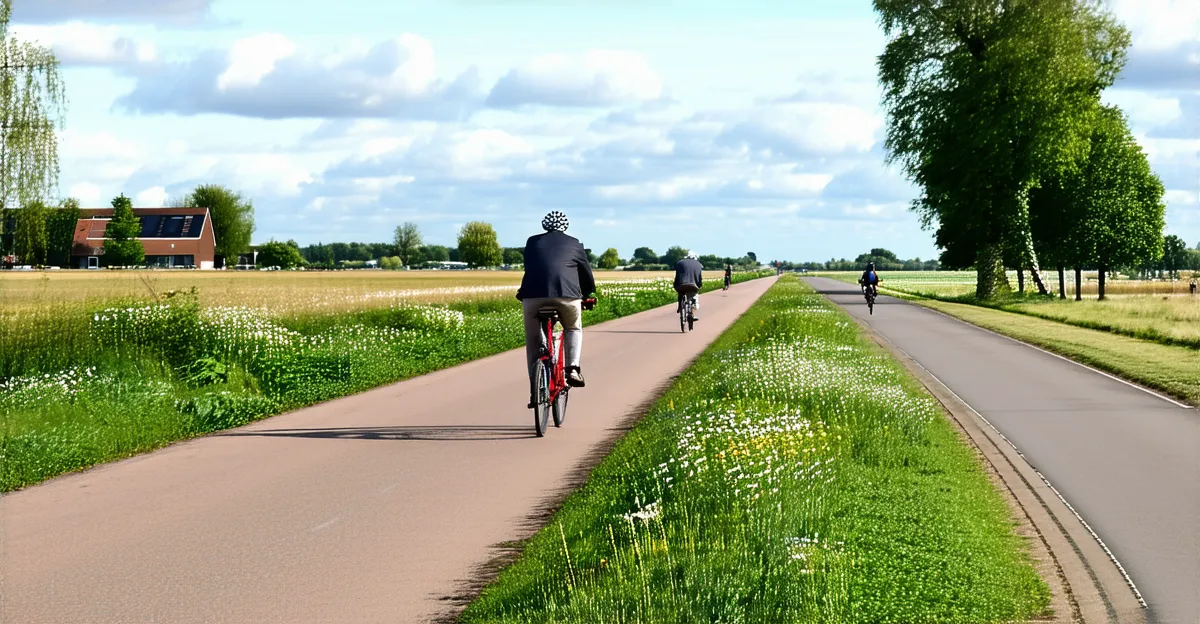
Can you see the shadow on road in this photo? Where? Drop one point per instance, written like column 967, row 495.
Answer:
column 443, row 433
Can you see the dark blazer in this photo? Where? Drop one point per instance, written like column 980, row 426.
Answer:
column 556, row 266
column 688, row 271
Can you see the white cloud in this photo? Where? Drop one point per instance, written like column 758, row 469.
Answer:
column 153, row 197
column 1160, row 24
column 249, row 60
column 87, row 193
column 84, row 44
column 598, row 78
column 806, row 128
column 269, row 76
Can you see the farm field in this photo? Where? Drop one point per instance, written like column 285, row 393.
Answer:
column 1164, row 318
column 962, row 283
column 282, row 291
column 105, row 376
column 794, row 473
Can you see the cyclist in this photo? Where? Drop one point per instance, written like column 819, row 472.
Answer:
column 870, row 279
column 688, row 279
column 728, row 275
column 558, row 276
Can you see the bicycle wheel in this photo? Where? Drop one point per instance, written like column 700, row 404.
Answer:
column 691, row 318
column 870, row 305
column 560, row 407
column 541, row 397
column 683, row 310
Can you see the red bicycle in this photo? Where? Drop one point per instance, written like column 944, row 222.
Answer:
column 549, row 379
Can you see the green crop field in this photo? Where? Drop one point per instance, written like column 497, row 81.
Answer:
column 118, row 372
column 795, row 473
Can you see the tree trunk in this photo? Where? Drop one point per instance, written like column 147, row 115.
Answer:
column 1078, row 284
column 1103, row 270
column 1062, row 282
column 990, row 279
column 1021, row 281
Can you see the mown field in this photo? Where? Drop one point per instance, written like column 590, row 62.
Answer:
column 795, row 473
column 960, row 283
column 95, row 369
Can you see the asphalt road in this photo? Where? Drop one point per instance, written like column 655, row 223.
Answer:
column 1128, row 461
column 371, row 508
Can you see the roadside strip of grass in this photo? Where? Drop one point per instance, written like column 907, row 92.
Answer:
column 1173, row 370
column 795, row 473
column 83, row 386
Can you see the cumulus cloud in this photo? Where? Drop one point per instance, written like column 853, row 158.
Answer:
column 806, row 129
column 597, row 79
column 1173, row 68
column 81, row 44
column 159, row 11
column 268, row 76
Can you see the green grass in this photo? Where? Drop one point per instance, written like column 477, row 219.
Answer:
column 795, row 473
column 81, row 386
column 1174, row 370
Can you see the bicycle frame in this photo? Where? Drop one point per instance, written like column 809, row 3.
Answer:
column 553, row 347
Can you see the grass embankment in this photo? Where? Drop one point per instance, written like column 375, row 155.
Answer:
column 81, row 385
column 795, row 473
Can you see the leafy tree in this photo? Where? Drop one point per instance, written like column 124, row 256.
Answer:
column 29, row 239
column 673, row 255
column 645, row 255
column 478, row 245
column 121, row 245
column 32, row 102
column 438, row 253
column 279, row 254
column 1174, row 255
column 60, row 232
column 609, row 259
column 407, row 240
column 592, row 258
column 984, row 97
column 454, row 255
column 514, row 256
column 751, row 255
column 391, row 263
column 1123, row 213
column 712, row 263
column 232, row 217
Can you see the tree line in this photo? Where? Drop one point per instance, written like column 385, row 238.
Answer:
column 477, row 245
column 994, row 111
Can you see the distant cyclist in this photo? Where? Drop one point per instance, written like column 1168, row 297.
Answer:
column 870, row 279
column 728, row 275
column 688, row 279
column 558, row 276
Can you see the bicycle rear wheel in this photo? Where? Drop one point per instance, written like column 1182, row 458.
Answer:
column 541, row 397
column 683, row 314
column 560, row 407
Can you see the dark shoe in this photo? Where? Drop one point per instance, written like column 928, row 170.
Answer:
column 575, row 377
column 531, row 405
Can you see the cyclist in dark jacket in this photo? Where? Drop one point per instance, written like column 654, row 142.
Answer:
column 728, row 275
column 558, row 276
column 688, row 280
column 870, row 278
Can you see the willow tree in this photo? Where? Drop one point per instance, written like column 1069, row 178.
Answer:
column 983, row 98
column 32, row 102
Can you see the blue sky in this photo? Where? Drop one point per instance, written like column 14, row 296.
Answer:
column 724, row 127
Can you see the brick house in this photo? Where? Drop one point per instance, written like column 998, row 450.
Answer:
column 172, row 237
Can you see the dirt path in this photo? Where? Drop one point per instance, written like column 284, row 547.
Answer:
column 372, row 508
column 1127, row 460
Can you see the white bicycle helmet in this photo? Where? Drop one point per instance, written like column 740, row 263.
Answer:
column 692, row 256
column 555, row 222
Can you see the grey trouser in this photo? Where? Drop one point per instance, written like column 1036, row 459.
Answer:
column 570, row 314
column 688, row 290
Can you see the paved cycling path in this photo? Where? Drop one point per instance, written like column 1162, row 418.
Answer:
column 371, row 508
column 1126, row 460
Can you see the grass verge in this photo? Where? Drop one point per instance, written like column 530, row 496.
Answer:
column 1173, row 370
column 80, row 386
column 795, row 473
